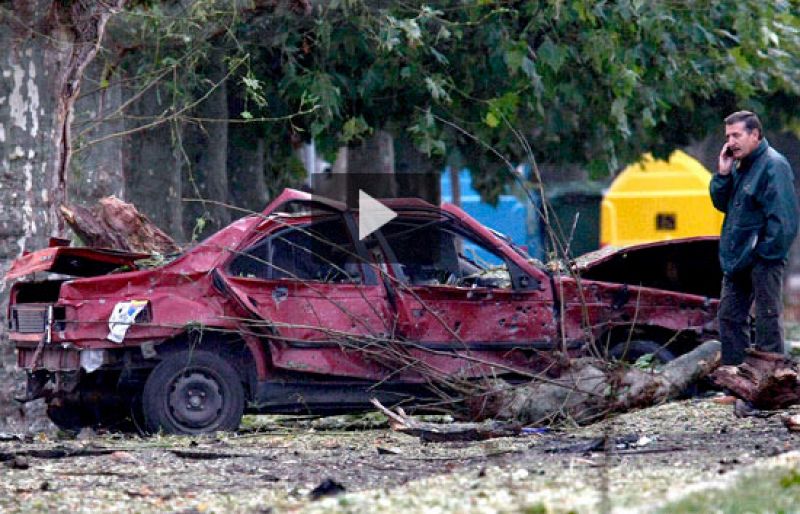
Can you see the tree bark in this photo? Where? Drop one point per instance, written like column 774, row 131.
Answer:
column 246, row 183
column 206, row 148
column 114, row 224
column 47, row 46
column 96, row 170
column 417, row 174
column 151, row 165
column 590, row 389
column 767, row 380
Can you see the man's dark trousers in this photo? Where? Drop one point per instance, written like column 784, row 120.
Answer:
column 761, row 282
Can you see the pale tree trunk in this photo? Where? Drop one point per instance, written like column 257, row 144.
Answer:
column 373, row 155
column 40, row 82
column 205, row 143
column 365, row 162
column 96, row 167
column 417, row 174
column 46, row 47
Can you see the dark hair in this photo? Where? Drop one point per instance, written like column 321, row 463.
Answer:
column 750, row 120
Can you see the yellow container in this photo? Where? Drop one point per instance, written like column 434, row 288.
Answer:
column 655, row 200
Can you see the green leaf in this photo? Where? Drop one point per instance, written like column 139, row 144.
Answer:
column 529, row 69
column 491, row 119
column 355, row 128
column 514, row 58
column 618, row 107
column 552, row 55
column 246, row 115
column 435, row 86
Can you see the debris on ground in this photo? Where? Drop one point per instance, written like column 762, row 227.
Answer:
column 328, row 487
column 437, row 432
column 743, row 409
column 792, row 423
column 281, row 459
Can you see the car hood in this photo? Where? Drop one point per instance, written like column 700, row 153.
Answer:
column 79, row 262
column 689, row 265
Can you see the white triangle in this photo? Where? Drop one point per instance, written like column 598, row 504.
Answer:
column 372, row 215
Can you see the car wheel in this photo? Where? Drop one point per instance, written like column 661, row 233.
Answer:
column 631, row 351
column 193, row 392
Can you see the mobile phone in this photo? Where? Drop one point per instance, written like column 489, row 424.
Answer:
column 728, row 152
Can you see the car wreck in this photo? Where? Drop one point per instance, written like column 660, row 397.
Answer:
column 289, row 311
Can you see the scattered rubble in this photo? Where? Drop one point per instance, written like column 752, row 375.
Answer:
column 278, row 461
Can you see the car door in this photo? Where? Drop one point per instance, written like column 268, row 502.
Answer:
column 459, row 308
column 313, row 292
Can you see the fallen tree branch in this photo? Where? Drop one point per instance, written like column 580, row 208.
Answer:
column 115, row 224
column 766, row 380
column 437, row 432
column 590, row 389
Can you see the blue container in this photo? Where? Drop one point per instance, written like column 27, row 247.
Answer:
column 517, row 219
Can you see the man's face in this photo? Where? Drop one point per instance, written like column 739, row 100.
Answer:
column 741, row 141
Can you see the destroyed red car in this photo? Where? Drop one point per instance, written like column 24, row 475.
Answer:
column 288, row 311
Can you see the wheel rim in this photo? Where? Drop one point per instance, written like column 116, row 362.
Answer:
column 195, row 400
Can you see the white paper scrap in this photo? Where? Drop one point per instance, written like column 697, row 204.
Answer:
column 122, row 317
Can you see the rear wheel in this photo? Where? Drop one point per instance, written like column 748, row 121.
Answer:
column 193, row 392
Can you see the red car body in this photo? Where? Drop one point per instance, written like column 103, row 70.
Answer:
column 260, row 318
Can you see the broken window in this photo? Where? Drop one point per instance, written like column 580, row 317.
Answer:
column 321, row 251
column 431, row 252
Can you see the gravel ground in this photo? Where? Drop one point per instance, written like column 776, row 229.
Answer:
column 274, row 465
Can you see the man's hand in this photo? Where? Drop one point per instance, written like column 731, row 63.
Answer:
column 725, row 160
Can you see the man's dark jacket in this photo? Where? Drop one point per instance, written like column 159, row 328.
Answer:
column 760, row 206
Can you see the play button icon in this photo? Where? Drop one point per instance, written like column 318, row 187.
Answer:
column 372, row 214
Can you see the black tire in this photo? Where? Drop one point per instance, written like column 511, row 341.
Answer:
column 633, row 350
column 193, row 392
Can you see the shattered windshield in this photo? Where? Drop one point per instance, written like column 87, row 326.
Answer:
column 432, row 252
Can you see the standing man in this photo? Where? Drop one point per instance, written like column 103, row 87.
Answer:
column 754, row 187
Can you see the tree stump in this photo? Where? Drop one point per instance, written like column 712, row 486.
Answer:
column 766, row 380
column 117, row 225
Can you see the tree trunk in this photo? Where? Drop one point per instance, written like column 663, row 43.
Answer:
column 206, row 147
column 368, row 166
column 417, row 174
column 590, row 389
column 767, row 380
column 247, row 188
column 112, row 223
column 47, row 45
column 152, row 170
column 96, row 169
column 374, row 155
